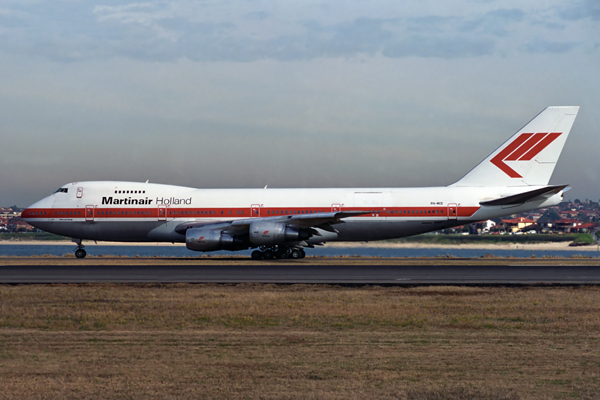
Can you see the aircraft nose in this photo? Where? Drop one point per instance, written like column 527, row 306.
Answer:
column 45, row 203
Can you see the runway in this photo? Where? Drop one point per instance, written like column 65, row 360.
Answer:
column 509, row 273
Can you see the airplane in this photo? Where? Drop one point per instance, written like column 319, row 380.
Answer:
column 281, row 223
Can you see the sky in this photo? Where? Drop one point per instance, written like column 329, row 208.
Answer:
column 307, row 93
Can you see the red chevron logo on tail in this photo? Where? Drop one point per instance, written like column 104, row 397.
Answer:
column 523, row 148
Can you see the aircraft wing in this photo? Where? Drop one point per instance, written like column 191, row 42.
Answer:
column 318, row 220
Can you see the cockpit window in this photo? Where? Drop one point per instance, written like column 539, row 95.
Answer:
column 62, row 190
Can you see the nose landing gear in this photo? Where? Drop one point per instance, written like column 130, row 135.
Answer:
column 79, row 251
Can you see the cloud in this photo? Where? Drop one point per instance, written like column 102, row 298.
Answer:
column 538, row 45
column 439, row 47
column 257, row 15
column 421, row 37
column 245, row 32
column 495, row 23
column 579, row 10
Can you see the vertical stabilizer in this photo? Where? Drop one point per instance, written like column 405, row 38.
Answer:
column 529, row 156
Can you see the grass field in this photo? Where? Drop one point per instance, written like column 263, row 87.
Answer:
column 300, row 341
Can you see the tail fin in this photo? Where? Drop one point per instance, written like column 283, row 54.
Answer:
column 529, row 156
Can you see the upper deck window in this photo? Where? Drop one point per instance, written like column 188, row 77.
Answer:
column 62, row 190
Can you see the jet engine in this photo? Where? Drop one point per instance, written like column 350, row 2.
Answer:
column 202, row 239
column 267, row 233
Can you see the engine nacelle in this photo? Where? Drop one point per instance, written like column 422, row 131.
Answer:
column 202, row 239
column 267, row 233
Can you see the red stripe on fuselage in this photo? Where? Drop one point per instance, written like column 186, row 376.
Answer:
column 211, row 213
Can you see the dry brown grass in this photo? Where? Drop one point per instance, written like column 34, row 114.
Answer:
column 300, row 341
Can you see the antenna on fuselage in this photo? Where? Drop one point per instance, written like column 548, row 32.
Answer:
column 148, row 180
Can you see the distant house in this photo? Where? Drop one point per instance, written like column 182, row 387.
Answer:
column 569, row 213
column 488, row 225
column 535, row 216
column 587, row 227
column 569, row 225
column 517, row 224
column 19, row 226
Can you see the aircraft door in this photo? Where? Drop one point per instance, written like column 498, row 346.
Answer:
column 255, row 210
column 162, row 213
column 336, row 207
column 452, row 211
column 89, row 213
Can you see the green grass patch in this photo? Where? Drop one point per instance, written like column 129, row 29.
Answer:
column 517, row 239
column 583, row 238
column 43, row 236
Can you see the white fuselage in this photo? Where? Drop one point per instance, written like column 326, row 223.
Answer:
column 138, row 212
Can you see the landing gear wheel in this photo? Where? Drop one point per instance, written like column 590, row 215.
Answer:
column 268, row 255
column 283, row 252
column 302, row 253
column 79, row 251
column 296, row 254
column 257, row 255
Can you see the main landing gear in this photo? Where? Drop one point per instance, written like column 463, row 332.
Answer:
column 278, row 252
column 79, row 251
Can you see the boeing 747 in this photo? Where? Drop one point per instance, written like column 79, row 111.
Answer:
column 281, row 223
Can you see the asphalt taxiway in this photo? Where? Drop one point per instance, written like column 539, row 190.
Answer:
column 330, row 271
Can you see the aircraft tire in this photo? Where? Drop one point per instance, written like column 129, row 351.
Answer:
column 257, row 255
column 302, row 252
column 268, row 255
column 80, row 253
column 296, row 254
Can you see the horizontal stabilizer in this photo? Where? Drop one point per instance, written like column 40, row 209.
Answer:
column 524, row 197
